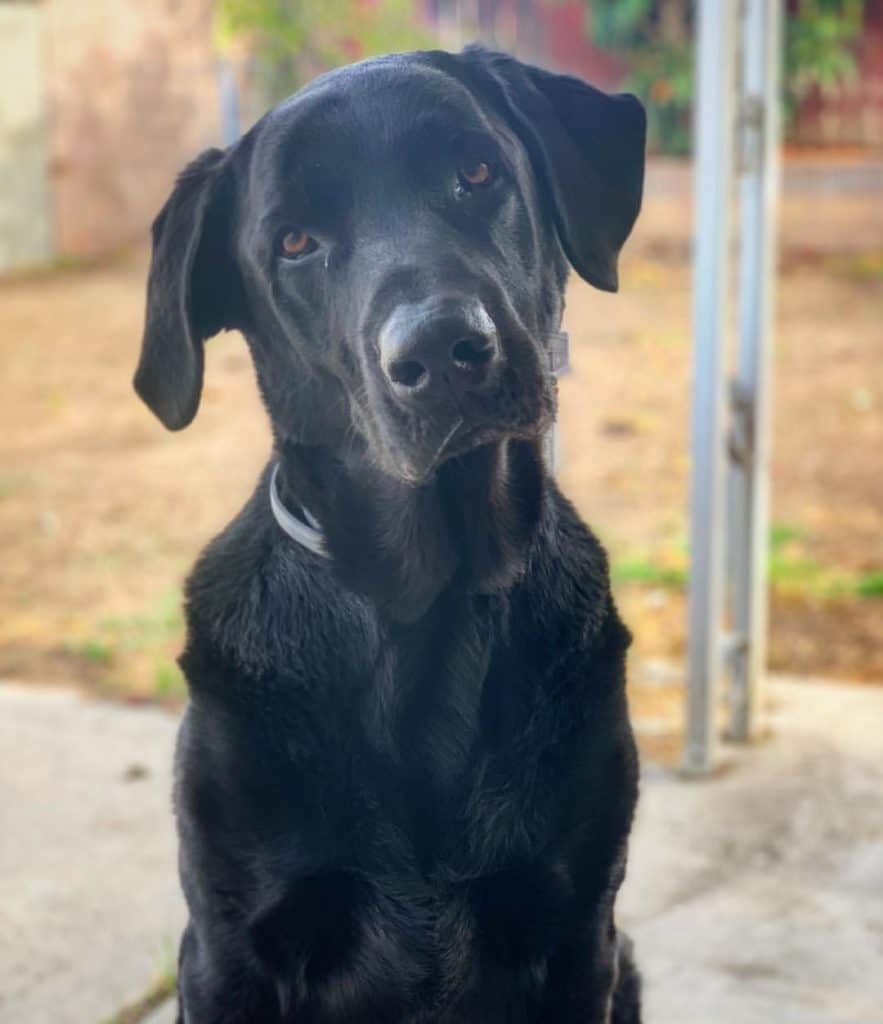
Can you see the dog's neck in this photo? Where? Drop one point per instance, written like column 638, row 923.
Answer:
column 471, row 527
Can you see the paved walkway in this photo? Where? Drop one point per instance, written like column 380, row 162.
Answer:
column 757, row 897
column 753, row 898
column 89, row 903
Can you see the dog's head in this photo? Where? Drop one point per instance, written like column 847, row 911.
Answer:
column 393, row 242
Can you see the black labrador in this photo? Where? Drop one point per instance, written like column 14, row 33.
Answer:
column 406, row 775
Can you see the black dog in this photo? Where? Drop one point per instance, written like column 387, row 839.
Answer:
column 406, row 776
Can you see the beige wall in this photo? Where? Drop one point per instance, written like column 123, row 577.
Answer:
column 25, row 229
column 132, row 92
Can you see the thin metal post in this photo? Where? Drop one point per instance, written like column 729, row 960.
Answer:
column 715, row 65
column 228, row 98
column 761, row 49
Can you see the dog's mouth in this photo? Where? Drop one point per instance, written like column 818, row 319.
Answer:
column 419, row 450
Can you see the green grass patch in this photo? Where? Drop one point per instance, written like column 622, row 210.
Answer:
column 133, row 656
column 791, row 570
column 870, row 584
column 168, row 680
column 159, row 624
column 648, row 572
column 784, row 534
column 97, row 651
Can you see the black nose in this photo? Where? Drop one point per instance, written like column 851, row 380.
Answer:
column 438, row 349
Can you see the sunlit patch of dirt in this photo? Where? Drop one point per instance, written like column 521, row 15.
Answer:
column 102, row 511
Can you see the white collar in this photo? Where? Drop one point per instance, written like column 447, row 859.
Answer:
column 308, row 533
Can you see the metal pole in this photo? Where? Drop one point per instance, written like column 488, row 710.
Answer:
column 713, row 135
column 228, row 98
column 761, row 63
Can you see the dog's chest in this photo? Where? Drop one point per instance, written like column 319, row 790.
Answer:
column 417, row 747
column 420, row 813
column 420, row 787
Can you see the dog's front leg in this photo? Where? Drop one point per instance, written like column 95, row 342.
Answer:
column 217, row 986
column 591, row 978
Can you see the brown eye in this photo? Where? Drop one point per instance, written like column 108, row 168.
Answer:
column 477, row 174
column 297, row 243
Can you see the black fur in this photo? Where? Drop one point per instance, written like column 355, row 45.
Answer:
column 406, row 776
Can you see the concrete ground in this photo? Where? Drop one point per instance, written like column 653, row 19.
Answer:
column 89, row 904
column 753, row 897
column 757, row 896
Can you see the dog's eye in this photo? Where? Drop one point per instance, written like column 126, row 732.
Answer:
column 474, row 175
column 296, row 243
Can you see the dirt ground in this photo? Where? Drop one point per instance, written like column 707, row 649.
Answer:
column 102, row 511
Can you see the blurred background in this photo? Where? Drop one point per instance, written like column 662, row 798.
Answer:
column 102, row 512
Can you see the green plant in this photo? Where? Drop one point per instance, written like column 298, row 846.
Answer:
column 654, row 38
column 296, row 39
column 820, row 37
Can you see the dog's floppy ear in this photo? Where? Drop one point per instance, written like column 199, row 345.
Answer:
column 587, row 148
column 191, row 290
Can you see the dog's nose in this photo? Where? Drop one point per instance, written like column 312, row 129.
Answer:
column 438, row 349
